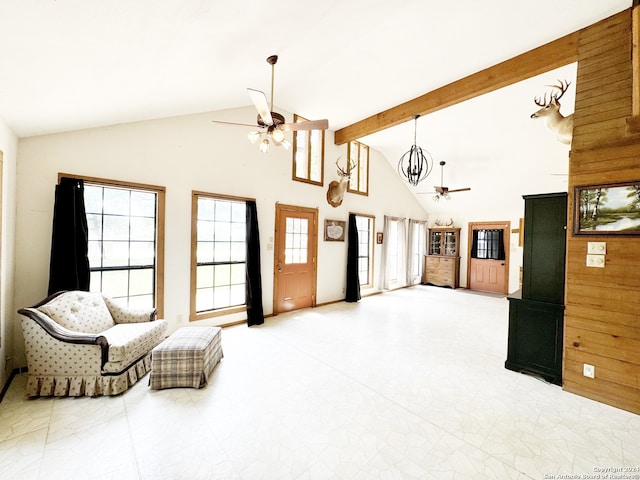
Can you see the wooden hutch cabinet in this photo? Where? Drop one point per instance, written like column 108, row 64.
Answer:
column 442, row 262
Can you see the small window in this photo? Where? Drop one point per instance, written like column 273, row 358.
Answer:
column 125, row 245
column 488, row 244
column 365, row 225
column 218, row 256
column 308, row 154
column 358, row 154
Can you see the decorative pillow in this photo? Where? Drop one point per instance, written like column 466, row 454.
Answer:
column 123, row 314
column 79, row 311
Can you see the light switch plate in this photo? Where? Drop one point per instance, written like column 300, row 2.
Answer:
column 599, row 248
column 595, row 261
column 588, row 370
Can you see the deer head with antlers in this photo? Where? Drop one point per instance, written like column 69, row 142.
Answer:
column 336, row 189
column 558, row 124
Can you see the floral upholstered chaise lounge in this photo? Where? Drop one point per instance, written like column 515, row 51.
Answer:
column 80, row 343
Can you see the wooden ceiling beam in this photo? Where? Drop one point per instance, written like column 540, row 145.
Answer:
column 555, row 54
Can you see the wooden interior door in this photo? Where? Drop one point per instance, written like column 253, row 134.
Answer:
column 486, row 275
column 295, row 248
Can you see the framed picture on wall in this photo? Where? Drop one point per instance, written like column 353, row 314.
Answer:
column 334, row 230
column 379, row 238
column 610, row 209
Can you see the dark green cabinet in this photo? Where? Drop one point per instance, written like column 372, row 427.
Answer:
column 536, row 313
column 545, row 232
column 535, row 338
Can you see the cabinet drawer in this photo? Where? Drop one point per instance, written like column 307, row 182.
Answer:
column 441, row 270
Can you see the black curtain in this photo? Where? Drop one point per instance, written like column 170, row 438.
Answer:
column 253, row 296
column 69, row 264
column 488, row 244
column 353, row 282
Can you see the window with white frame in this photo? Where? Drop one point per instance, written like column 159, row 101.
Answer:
column 393, row 266
column 365, row 226
column 416, row 251
column 393, row 252
column 125, row 244
column 218, row 255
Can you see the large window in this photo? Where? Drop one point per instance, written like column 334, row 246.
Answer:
column 416, row 251
column 365, row 225
column 393, row 265
column 308, row 154
column 393, row 251
column 218, row 265
column 126, row 241
column 358, row 154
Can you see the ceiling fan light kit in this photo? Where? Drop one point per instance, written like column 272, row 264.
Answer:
column 416, row 164
column 271, row 126
column 438, row 195
column 442, row 191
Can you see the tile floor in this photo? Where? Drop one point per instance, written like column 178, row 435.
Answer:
column 410, row 384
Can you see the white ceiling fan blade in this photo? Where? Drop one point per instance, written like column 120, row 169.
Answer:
column 236, row 124
column 308, row 125
column 259, row 99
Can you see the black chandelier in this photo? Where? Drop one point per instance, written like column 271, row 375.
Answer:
column 416, row 164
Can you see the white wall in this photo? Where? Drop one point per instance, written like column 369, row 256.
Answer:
column 184, row 154
column 9, row 334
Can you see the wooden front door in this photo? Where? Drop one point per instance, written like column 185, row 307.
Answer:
column 296, row 239
column 484, row 274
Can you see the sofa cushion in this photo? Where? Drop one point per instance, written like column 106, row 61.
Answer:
column 83, row 312
column 130, row 341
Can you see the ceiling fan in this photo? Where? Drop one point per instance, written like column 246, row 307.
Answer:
column 442, row 191
column 271, row 125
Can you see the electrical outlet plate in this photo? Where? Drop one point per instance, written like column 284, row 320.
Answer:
column 589, row 370
column 595, row 261
column 599, row 248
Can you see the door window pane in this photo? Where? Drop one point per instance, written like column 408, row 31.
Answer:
column 296, row 240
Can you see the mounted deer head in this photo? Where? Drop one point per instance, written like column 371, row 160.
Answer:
column 558, row 124
column 336, row 189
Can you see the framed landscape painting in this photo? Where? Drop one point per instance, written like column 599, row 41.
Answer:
column 607, row 209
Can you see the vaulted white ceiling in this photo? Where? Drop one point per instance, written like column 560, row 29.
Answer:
column 73, row 64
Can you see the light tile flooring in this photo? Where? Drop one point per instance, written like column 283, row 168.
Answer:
column 409, row 384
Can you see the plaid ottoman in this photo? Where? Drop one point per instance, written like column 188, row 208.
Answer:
column 186, row 358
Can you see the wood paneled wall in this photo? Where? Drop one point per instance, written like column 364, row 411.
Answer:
column 602, row 316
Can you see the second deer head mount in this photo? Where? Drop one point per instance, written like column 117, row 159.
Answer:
column 558, row 124
column 335, row 192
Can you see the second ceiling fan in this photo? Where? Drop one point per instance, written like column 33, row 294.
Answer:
column 271, row 125
column 442, row 191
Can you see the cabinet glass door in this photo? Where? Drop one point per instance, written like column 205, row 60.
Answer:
column 434, row 243
column 449, row 243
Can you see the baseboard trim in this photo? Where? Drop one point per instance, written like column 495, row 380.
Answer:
column 14, row 372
